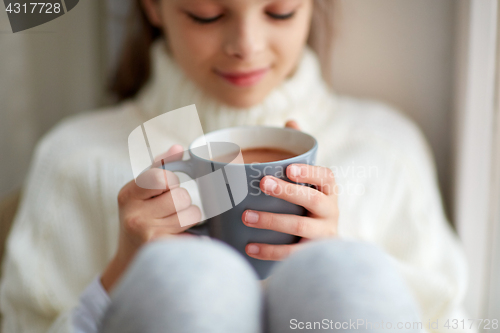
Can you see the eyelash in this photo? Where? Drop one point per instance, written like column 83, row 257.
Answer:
column 209, row 20
column 281, row 16
column 203, row 20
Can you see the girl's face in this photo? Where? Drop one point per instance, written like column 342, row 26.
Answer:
column 236, row 50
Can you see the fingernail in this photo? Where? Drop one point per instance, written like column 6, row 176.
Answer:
column 251, row 217
column 253, row 249
column 270, row 184
column 294, row 170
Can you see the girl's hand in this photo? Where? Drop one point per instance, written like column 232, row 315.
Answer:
column 147, row 211
column 320, row 202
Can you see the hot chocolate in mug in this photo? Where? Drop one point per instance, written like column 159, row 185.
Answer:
column 228, row 186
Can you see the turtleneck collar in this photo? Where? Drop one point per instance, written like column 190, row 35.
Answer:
column 169, row 89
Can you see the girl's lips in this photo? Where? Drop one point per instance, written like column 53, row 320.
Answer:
column 244, row 79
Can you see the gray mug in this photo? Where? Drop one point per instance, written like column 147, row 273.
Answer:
column 229, row 188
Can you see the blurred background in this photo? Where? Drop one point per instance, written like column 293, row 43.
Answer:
column 435, row 60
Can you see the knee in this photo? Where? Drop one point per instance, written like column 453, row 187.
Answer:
column 339, row 255
column 188, row 261
column 340, row 280
column 344, row 266
column 193, row 252
column 205, row 281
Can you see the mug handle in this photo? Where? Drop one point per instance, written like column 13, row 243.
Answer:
column 187, row 168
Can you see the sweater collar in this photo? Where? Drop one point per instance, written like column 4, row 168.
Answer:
column 169, row 89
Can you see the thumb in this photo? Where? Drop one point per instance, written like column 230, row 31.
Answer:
column 292, row 124
column 174, row 153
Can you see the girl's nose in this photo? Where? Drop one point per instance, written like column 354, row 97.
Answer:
column 244, row 39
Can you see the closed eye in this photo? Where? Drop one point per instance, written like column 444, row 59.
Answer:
column 204, row 20
column 280, row 16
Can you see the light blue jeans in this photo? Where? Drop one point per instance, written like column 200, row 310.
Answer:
column 194, row 285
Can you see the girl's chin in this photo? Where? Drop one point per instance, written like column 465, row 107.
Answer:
column 237, row 97
column 242, row 100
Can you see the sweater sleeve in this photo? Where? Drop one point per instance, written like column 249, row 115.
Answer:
column 415, row 231
column 93, row 303
column 60, row 238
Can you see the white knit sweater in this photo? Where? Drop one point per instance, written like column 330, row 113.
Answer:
column 66, row 230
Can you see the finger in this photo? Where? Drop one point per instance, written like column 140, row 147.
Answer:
column 188, row 217
column 168, row 203
column 187, row 234
column 160, row 231
column 171, row 236
column 292, row 124
column 287, row 223
column 309, row 198
column 151, row 183
column 173, row 154
column 270, row 252
column 322, row 177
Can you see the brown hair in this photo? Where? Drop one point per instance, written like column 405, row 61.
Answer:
column 134, row 67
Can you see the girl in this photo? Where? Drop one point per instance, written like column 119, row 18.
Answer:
column 376, row 247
